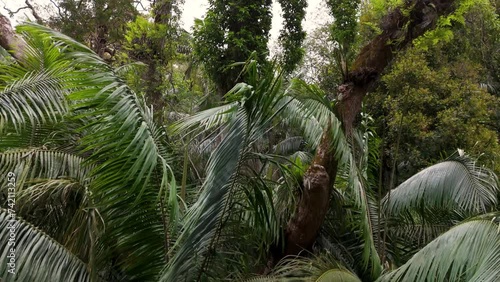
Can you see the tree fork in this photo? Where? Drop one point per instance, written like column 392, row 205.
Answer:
column 398, row 31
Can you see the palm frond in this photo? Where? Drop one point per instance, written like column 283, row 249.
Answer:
column 134, row 66
column 404, row 238
column 368, row 220
column 32, row 136
column 33, row 96
column 249, row 113
column 289, row 145
column 205, row 217
column 311, row 109
column 40, row 163
column 212, row 118
column 308, row 107
column 131, row 176
column 467, row 252
column 37, row 257
column 456, row 184
column 320, row 268
column 51, row 192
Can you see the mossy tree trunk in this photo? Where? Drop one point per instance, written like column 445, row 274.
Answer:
column 398, row 31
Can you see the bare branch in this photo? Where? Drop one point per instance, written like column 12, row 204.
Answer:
column 137, row 3
column 33, row 11
column 58, row 8
column 28, row 6
column 12, row 13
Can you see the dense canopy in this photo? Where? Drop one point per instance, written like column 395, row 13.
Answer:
column 366, row 150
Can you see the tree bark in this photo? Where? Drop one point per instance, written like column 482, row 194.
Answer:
column 312, row 207
column 398, row 31
column 9, row 40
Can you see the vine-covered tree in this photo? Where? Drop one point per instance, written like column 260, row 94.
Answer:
column 292, row 34
column 230, row 32
column 154, row 42
column 279, row 178
column 343, row 31
column 99, row 23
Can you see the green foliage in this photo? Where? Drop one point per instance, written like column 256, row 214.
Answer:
column 434, row 111
column 443, row 31
column 344, row 27
column 231, row 179
column 312, row 103
column 37, row 257
column 98, row 23
column 230, row 32
column 338, row 275
column 96, row 173
column 319, row 268
column 331, row 48
column 343, row 31
column 171, row 80
column 370, row 17
column 433, row 200
column 292, row 35
column 456, row 184
column 141, row 37
column 127, row 182
column 467, row 252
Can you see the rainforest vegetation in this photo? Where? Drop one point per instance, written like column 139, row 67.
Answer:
column 367, row 149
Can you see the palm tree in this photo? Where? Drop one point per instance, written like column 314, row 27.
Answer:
column 93, row 171
column 96, row 197
column 234, row 210
column 441, row 225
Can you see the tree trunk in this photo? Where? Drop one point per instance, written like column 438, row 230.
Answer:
column 398, row 31
column 9, row 40
column 154, row 77
column 312, row 207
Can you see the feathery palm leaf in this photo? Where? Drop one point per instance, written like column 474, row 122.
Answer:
column 205, row 217
column 37, row 256
column 319, row 268
column 367, row 218
column 435, row 199
column 40, row 163
column 241, row 123
column 338, row 275
column 455, row 184
column 126, row 152
column 32, row 97
column 53, row 184
column 467, row 252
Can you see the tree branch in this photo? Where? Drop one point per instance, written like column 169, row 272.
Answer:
column 33, row 11
column 12, row 13
column 58, row 8
column 139, row 3
column 28, row 6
